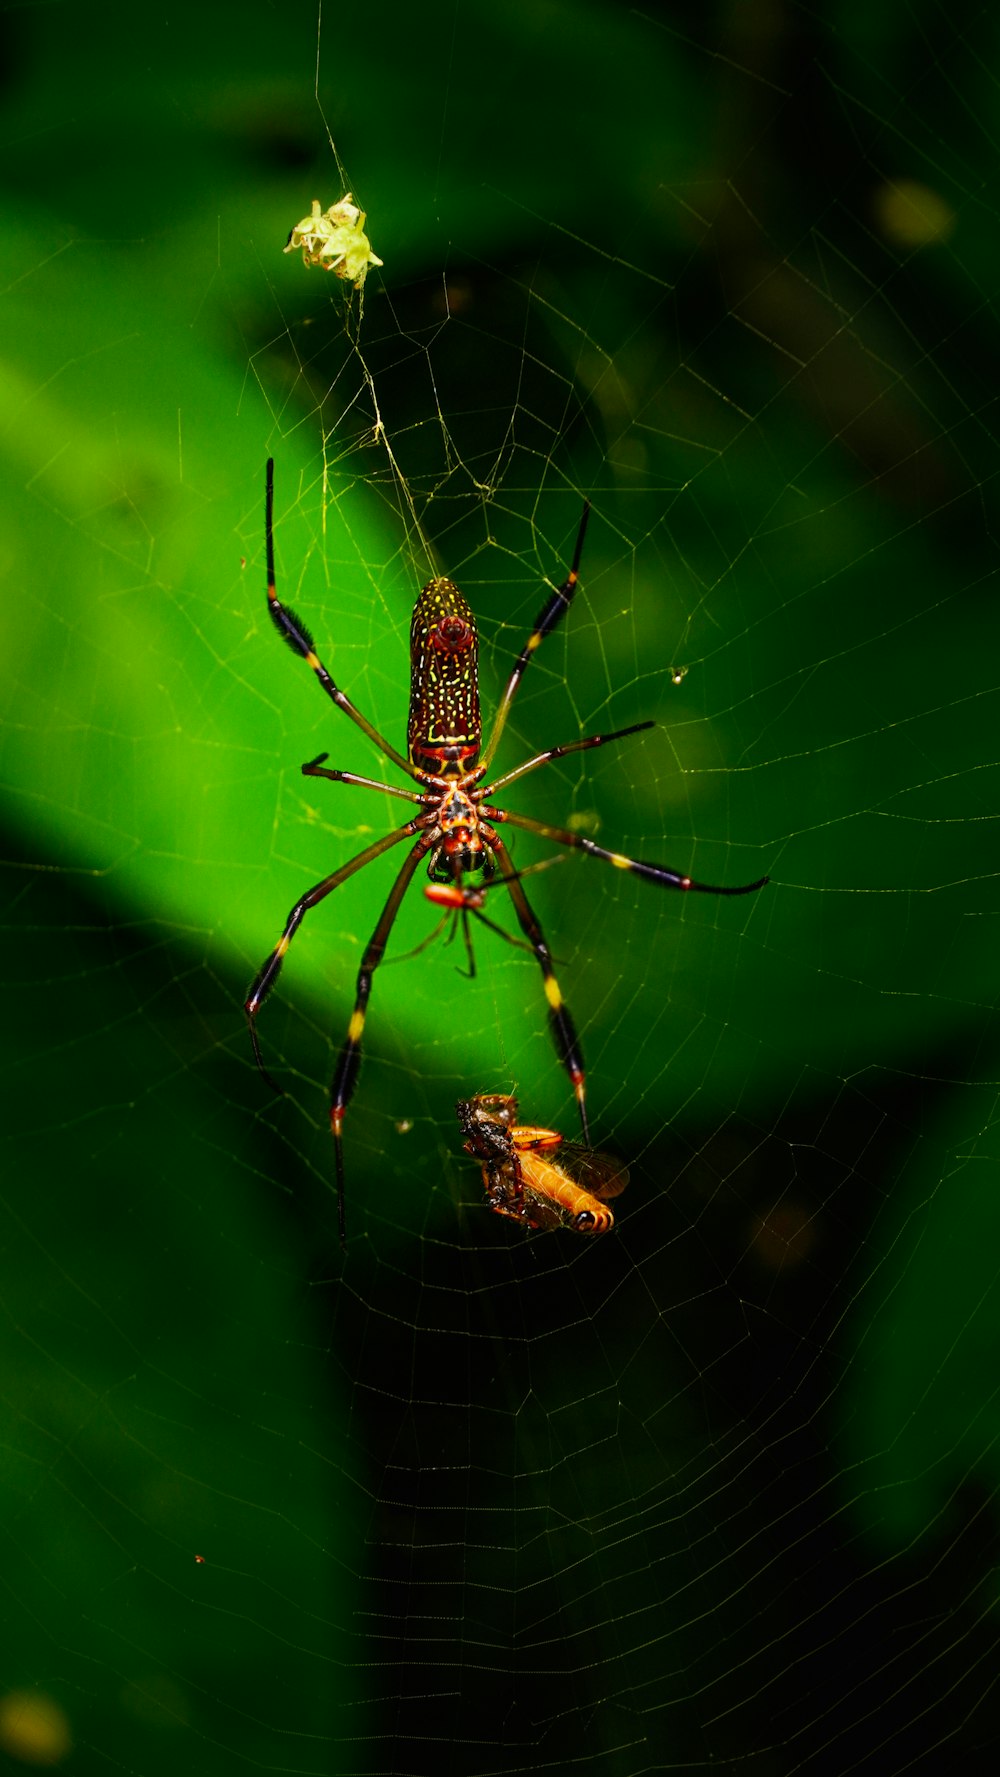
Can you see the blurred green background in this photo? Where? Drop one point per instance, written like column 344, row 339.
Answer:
column 722, row 1486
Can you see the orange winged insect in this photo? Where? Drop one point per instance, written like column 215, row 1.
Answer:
column 532, row 1175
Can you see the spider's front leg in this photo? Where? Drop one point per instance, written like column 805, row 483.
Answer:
column 552, row 613
column 293, row 631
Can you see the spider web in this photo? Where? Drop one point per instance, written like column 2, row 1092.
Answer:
column 719, row 1487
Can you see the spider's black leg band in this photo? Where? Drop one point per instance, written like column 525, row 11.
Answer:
column 266, row 976
column 657, row 873
column 561, row 1024
column 349, row 1060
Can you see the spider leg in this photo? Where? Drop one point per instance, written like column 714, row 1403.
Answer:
column 316, row 768
column 551, row 613
column 449, row 918
column 563, row 1029
column 470, row 955
column 452, row 895
column 573, row 746
column 407, row 956
column 266, row 976
column 651, row 872
column 295, row 633
column 349, row 1060
column 508, row 937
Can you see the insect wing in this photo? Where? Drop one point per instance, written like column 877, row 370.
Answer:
column 568, row 1195
column 601, row 1174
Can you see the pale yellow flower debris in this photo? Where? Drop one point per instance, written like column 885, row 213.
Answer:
column 335, row 240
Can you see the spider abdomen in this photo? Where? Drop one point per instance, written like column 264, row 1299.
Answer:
column 445, row 726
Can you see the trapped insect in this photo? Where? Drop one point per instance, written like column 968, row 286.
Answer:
column 455, row 828
column 532, row 1175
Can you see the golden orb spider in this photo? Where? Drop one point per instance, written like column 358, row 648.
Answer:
column 456, row 828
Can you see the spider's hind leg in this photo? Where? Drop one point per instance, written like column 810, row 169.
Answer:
column 560, row 1021
column 349, row 1060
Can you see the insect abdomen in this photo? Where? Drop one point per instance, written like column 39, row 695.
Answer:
column 444, row 726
